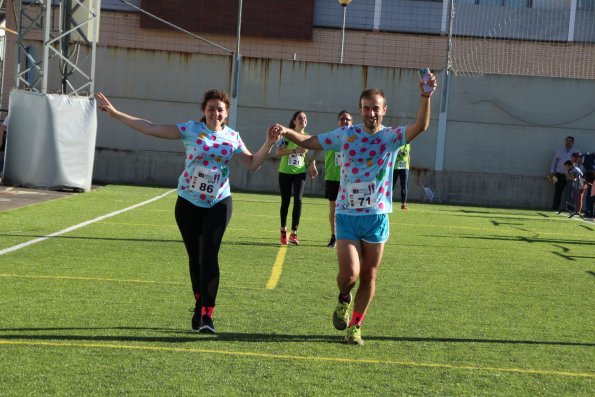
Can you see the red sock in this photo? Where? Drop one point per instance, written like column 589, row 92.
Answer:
column 207, row 311
column 357, row 318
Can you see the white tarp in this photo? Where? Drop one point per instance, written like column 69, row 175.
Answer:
column 50, row 141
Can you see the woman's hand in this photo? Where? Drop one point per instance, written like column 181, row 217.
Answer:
column 105, row 105
column 272, row 136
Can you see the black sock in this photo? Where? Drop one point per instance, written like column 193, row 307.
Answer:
column 345, row 298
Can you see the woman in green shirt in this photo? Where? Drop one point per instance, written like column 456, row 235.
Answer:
column 292, row 175
column 401, row 172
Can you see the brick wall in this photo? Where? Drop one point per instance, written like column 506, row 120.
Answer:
column 262, row 18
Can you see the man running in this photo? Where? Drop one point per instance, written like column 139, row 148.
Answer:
column 368, row 152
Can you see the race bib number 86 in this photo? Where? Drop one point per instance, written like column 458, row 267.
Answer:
column 205, row 180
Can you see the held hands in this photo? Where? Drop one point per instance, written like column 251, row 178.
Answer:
column 277, row 129
column 272, row 136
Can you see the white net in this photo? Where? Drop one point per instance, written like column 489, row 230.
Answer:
column 554, row 38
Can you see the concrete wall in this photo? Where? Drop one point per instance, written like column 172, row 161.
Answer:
column 501, row 130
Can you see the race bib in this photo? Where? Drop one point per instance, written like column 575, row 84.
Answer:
column 205, row 180
column 362, row 194
column 295, row 160
column 401, row 165
column 338, row 158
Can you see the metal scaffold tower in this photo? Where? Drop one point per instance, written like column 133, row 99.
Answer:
column 56, row 46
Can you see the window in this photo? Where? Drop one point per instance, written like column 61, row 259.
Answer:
column 506, row 3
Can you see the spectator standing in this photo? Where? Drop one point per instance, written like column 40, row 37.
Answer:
column 589, row 164
column 574, row 184
column 577, row 161
column 558, row 170
column 401, row 172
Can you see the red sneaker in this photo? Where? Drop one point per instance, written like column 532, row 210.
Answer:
column 283, row 237
column 293, row 239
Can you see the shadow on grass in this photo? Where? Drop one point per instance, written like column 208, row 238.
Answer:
column 319, row 244
column 572, row 257
column 272, row 243
column 141, row 240
column 525, row 239
column 190, row 336
column 496, row 223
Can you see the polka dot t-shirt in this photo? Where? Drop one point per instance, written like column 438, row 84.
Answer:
column 205, row 180
column 367, row 162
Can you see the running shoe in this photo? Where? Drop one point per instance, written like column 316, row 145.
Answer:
column 404, row 207
column 341, row 315
column 293, row 239
column 196, row 317
column 332, row 243
column 206, row 325
column 283, row 237
column 353, row 335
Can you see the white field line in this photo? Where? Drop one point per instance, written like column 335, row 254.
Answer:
column 80, row 225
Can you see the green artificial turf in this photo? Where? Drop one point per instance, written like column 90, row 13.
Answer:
column 469, row 301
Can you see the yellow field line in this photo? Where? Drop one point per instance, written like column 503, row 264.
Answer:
column 302, row 358
column 90, row 279
column 277, row 268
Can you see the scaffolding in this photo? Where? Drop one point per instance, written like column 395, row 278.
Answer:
column 68, row 47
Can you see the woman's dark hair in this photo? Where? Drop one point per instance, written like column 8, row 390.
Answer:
column 341, row 113
column 292, row 122
column 215, row 94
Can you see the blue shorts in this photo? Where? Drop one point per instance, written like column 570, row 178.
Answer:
column 369, row 228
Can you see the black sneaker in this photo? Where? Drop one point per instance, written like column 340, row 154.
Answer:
column 206, row 325
column 332, row 243
column 195, row 322
column 196, row 317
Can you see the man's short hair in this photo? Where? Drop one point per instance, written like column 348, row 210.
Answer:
column 371, row 93
column 571, row 138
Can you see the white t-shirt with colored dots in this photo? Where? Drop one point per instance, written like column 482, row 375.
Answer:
column 367, row 162
column 205, row 180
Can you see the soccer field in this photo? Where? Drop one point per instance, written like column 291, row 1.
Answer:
column 470, row 301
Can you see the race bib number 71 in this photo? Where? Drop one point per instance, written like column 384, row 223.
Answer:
column 362, row 194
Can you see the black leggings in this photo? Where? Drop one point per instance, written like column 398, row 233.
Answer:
column 202, row 231
column 286, row 183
